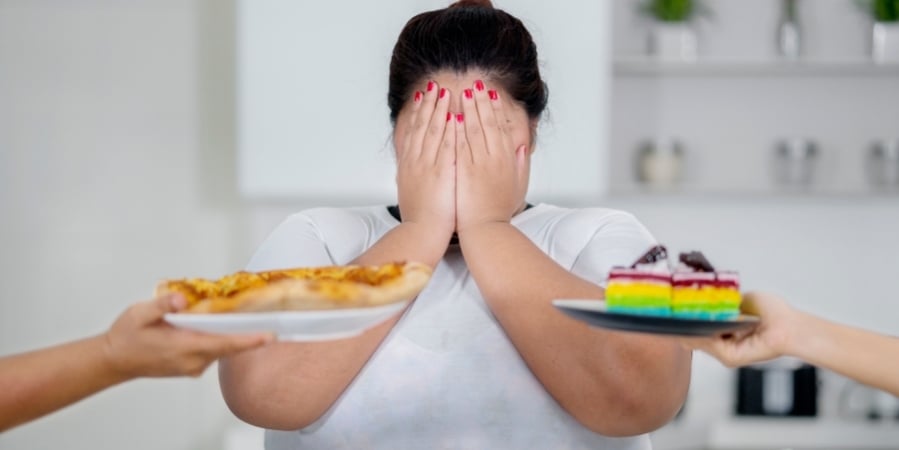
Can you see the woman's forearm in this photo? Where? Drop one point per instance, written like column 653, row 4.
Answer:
column 37, row 383
column 287, row 385
column 406, row 242
column 614, row 383
column 868, row 357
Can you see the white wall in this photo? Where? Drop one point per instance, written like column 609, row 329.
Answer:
column 312, row 84
column 115, row 171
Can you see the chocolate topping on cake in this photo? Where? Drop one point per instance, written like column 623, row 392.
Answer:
column 654, row 255
column 696, row 261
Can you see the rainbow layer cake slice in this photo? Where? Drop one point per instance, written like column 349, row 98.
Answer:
column 700, row 292
column 642, row 289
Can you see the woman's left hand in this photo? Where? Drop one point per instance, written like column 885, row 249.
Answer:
column 491, row 170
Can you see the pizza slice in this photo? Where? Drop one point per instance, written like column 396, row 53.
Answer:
column 303, row 288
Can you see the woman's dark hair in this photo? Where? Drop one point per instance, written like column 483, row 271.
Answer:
column 469, row 34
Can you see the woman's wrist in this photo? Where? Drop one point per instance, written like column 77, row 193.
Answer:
column 474, row 229
column 487, row 221
column 431, row 241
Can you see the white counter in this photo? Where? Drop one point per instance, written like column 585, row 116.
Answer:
column 780, row 433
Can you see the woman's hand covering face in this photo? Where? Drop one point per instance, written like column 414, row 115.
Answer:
column 491, row 169
column 426, row 172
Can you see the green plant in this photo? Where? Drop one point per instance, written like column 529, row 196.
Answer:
column 882, row 10
column 671, row 10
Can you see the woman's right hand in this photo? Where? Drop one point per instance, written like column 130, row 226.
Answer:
column 771, row 338
column 426, row 173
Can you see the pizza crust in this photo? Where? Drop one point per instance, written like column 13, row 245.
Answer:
column 310, row 294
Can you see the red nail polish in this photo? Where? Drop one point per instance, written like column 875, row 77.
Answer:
column 479, row 85
column 449, row 116
column 460, row 117
column 442, row 92
column 430, row 86
column 469, row 93
column 417, row 96
column 493, row 95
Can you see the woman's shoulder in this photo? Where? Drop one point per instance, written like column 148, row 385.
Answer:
column 335, row 216
column 589, row 218
column 335, row 235
column 607, row 236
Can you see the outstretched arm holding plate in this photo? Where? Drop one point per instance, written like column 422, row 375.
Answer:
column 139, row 344
column 868, row 357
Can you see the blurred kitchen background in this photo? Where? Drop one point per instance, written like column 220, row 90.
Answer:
column 149, row 139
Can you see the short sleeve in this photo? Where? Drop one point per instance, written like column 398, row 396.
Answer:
column 618, row 241
column 296, row 242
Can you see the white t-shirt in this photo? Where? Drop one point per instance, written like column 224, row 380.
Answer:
column 447, row 376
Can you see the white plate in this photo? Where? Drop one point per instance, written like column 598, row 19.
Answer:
column 319, row 325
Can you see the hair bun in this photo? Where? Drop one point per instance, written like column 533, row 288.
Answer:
column 473, row 4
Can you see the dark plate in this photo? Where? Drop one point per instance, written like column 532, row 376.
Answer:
column 594, row 313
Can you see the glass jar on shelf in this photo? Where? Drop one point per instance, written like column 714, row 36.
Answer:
column 883, row 164
column 795, row 162
column 660, row 162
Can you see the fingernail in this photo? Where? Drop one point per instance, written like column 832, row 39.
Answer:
column 417, row 96
column 442, row 92
column 469, row 93
column 493, row 95
column 460, row 117
column 449, row 116
column 430, row 86
column 479, row 85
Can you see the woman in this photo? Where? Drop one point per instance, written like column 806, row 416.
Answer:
column 480, row 359
column 868, row 357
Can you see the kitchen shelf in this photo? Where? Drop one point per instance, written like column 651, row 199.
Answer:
column 637, row 195
column 644, row 67
column 732, row 106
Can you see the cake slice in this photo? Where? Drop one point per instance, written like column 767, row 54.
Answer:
column 642, row 289
column 700, row 292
